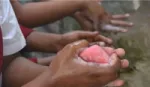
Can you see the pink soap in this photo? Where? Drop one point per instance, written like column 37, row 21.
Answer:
column 96, row 54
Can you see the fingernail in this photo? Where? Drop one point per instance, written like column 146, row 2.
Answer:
column 125, row 63
column 120, row 52
column 131, row 23
column 110, row 41
column 119, row 83
column 127, row 15
column 114, row 56
column 113, row 59
column 124, row 30
column 102, row 43
column 96, row 32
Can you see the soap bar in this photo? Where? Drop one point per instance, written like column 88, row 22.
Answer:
column 94, row 53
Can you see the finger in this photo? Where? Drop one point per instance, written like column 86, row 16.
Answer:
column 71, row 49
column 116, row 83
column 87, row 25
column 121, row 16
column 109, row 50
column 120, row 52
column 84, row 23
column 124, row 63
column 87, row 34
column 103, row 38
column 96, row 23
column 121, row 23
column 112, row 28
column 115, row 62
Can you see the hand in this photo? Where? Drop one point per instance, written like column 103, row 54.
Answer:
column 119, row 52
column 115, row 20
column 69, row 70
column 94, row 13
column 78, row 35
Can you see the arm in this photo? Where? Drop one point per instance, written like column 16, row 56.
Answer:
column 39, row 13
column 47, row 42
column 23, row 71
column 53, row 76
column 43, row 42
column 43, row 61
column 41, row 81
column 39, row 41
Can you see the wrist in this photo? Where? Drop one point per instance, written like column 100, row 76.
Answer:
column 54, row 42
column 90, row 3
column 59, row 42
column 84, row 4
column 52, row 79
column 43, row 80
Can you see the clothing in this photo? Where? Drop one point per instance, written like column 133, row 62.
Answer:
column 33, row 60
column 26, row 32
column 1, row 56
column 11, row 38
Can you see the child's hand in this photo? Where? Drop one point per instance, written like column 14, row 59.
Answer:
column 79, row 35
column 97, row 18
column 68, row 67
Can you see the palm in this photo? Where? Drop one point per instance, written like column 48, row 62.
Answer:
column 116, row 23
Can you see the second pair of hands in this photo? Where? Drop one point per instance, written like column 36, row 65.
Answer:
column 94, row 15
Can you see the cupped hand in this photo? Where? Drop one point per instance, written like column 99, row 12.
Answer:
column 79, row 35
column 69, row 70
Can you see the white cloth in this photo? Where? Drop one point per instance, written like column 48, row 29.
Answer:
column 13, row 39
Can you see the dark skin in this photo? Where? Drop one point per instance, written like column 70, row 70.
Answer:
column 54, row 44
column 42, row 22
column 28, row 15
column 46, row 42
column 116, row 20
column 65, row 61
column 88, row 13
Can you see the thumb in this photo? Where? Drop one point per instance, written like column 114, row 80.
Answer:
column 71, row 49
column 88, row 35
column 66, row 54
column 115, row 62
column 116, row 83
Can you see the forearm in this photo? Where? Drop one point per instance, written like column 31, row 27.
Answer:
column 36, row 14
column 44, row 80
column 43, row 42
column 23, row 71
